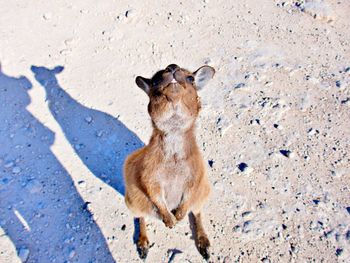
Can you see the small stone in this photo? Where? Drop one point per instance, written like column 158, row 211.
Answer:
column 312, row 131
column 85, row 205
column 338, row 252
column 130, row 13
column 99, row 133
column 123, row 227
column 88, row 119
column 265, row 260
column 247, row 213
column 211, row 162
column 247, row 225
column 72, row 254
column 82, row 183
column 16, row 170
column 34, row 186
column 285, row 153
column 8, row 164
column 47, row 16
column 347, row 235
column 240, row 85
column 79, row 146
column 242, row 167
column 316, row 201
column 348, row 209
column 23, row 254
column 338, row 84
column 236, row 228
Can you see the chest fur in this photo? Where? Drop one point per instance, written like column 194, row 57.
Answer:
column 173, row 178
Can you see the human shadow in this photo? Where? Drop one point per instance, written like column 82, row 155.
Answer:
column 40, row 209
column 100, row 140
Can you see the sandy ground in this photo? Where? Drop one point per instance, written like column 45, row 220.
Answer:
column 275, row 127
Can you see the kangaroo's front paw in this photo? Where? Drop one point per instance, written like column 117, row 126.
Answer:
column 169, row 220
column 180, row 213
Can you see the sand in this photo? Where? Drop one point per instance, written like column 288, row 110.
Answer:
column 274, row 127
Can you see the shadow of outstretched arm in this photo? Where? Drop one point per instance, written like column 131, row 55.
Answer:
column 101, row 141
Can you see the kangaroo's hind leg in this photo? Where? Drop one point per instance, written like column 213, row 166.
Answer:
column 201, row 238
column 142, row 242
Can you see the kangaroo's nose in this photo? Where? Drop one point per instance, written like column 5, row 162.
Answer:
column 172, row 68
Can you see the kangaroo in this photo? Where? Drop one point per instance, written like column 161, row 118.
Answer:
column 167, row 178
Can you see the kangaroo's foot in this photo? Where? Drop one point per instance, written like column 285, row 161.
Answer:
column 142, row 243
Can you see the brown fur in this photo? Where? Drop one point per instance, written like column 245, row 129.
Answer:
column 167, row 178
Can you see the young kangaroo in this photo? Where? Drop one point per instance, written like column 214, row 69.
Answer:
column 167, row 178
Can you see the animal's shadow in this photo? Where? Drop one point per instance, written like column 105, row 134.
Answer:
column 100, row 140
column 40, row 209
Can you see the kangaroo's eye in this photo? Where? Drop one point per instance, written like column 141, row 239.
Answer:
column 190, row 79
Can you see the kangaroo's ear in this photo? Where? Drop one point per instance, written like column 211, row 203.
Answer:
column 143, row 83
column 203, row 75
column 58, row 69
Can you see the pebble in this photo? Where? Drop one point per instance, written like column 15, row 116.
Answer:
column 242, row 167
column 286, row 153
column 247, row 225
column 338, row 252
column 88, row 119
column 130, row 13
column 33, row 186
column 8, row 164
column 99, row 133
column 240, row 85
column 16, row 170
column 23, row 254
column 79, row 146
column 338, row 84
column 211, row 162
column 72, row 254
column 47, row 16
column 316, row 202
column 347, row 235
column 236, row 228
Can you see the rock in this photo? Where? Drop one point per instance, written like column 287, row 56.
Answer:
column 33, row 186
column 338, row 84
column 247, row 225
column 211, row 162
column 247, row 213
column 130, row 13
column 316, row 201
column 47, row 16
column 236, row 228
column 242, row 167
column 16, row 170
column 240, row 85
column 9, row 164
column 88, row 119
column 123, row 227
column 23, row 254
column 347, row 235
column 285, row 153
column 72, row 253
column 338, row 252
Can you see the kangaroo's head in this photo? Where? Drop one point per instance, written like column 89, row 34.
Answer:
column 174, row 103
column 46, row 76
